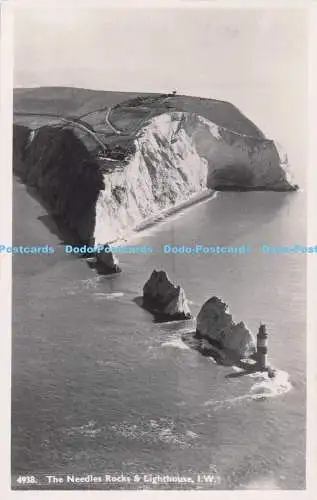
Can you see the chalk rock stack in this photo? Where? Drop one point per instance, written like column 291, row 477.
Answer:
column 162, row 297
column 107, row 262
column 215, row 324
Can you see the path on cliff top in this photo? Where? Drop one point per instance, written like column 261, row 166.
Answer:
column 68, row 121
column 108, row 110
column 108, row 122
column 151, row 113
column 78, row 122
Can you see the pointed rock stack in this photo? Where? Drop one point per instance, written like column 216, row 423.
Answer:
column 107, row 262
column 162, row 297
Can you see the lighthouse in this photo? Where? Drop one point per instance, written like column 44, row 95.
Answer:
column 261, row 348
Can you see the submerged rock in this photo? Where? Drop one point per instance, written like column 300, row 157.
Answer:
column 215, row 324
column 162, row 297
column 107, row 262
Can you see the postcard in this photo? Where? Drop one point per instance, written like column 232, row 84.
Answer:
column 160, row 246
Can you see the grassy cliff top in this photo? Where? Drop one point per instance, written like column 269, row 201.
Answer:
column 128, row 110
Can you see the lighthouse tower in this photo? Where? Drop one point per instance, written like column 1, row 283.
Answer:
column 261, row 349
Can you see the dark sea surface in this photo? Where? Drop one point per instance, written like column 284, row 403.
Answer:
column 99, row 387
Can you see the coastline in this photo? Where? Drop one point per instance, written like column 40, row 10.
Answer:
column 167, row 212
column 153, row 220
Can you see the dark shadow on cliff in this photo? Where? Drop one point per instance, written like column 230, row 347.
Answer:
column 236, row 176
column 62, row 175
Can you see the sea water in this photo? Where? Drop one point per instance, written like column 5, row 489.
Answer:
column 99, row 387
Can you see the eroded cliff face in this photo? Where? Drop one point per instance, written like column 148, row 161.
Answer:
column 174, row 155
column 177, row 155
column 165, row 170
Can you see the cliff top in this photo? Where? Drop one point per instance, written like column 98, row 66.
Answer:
column 128, row 110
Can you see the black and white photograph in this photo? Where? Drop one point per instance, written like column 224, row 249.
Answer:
column 159, row 248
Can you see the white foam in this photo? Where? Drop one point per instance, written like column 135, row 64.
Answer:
column 264, row 387
column 212, row 360
column 175, row 342
column 90, row 282
column 77, row 286
column 267, row 387
column 226, row 402
column 108, row 296
column 88, row 430
column 237, row 369
column 263, row 483
column 186, row 330
column 160, row 430
column 192, row 434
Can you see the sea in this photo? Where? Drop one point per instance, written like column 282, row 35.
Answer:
column 100, row 388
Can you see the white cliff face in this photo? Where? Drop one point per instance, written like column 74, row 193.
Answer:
column 215, row 323
column 178, row 305
column 165, row 170
column 284, row 163
column 177, row 155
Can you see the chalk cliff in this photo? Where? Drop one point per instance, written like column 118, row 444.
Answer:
column 103, row 181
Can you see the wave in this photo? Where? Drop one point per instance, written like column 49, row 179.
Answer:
column 212, row 360
column 87, row 430
column 264, row 387
column 161, row 430
column 84, row 284
column 267, row 387
column 91, row 284
column 262, row 483
column 108, row 296
column 237, row 369
column 175, row 341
